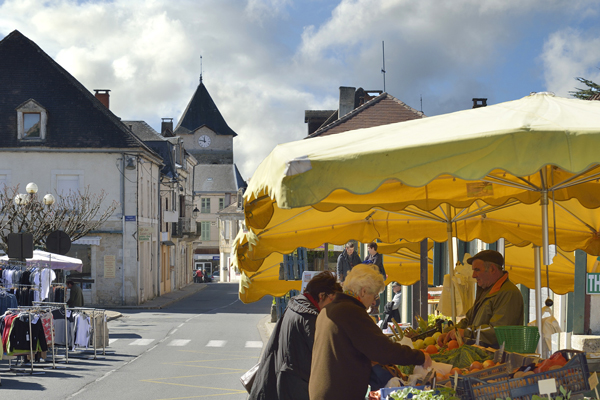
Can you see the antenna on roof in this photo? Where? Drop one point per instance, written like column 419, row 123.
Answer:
column 200, row 69
column 421, row 103
column 383, row 68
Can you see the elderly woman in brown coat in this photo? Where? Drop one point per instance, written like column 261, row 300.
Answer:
column 347, row 340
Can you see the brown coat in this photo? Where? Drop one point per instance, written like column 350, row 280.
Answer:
column 346, row 341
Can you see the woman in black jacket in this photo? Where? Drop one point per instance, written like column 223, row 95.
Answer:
column 285, row 365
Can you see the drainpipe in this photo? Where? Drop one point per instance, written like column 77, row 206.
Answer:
column 123, row 228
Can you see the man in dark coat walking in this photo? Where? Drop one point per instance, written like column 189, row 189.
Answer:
column 346, row 261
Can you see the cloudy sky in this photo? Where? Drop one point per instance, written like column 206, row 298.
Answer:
column 266, row 61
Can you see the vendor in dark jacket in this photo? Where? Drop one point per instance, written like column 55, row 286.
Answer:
column 285, row 365
column 346, row 261
column 347, row 340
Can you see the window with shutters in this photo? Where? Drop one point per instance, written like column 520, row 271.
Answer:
column 205, row 205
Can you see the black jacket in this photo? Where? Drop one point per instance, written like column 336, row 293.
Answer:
column 345, row 263
column 285, row 365
column 377, row 259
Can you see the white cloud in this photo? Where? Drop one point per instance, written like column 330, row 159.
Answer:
column 569, row 54
column 263, row 67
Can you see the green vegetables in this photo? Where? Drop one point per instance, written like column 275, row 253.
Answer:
column 440, row 393
column 462, row 357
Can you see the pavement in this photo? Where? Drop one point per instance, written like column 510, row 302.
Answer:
column 160, row 302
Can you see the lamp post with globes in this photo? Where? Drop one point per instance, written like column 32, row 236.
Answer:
column 30, row 213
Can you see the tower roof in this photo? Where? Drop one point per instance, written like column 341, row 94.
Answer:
column 202, row 111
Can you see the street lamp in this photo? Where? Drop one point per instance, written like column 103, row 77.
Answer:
column 195, row 212
column 31, row 188
column 48, row 199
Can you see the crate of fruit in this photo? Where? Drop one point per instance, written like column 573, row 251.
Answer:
column 572, row 376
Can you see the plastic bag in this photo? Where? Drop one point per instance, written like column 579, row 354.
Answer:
column 549, row 326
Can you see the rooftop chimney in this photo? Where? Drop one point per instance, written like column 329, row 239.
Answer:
column 479, row 102
column 103, row 96
column 167, row 124
column 346, row 100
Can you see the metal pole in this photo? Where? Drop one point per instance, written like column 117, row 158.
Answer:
column 538, row 293
column 451, row 262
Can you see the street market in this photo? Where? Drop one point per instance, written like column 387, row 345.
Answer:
column 518, row 176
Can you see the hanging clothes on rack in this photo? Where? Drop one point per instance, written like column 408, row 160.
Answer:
column 7, row 300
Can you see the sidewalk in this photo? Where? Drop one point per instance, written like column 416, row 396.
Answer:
column 160, row 302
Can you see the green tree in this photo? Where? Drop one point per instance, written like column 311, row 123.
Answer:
column 586, row 94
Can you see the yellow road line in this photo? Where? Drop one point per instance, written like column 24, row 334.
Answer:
column 206, row 366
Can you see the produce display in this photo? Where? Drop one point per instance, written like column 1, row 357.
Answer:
column 416, row 394
column 482, row 377
column 465, row 357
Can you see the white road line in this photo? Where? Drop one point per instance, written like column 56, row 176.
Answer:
column 179, row 342
column 254, row 344
column 141, row 342
column 180, row 325
column 216, row 343
column 111, row 341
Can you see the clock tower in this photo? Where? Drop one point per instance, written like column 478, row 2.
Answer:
column 204, row 132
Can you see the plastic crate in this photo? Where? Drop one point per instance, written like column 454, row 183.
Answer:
column 573, row 377
column 518, row 339
column 499, row 371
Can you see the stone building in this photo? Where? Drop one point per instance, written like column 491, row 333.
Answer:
column 56, row 133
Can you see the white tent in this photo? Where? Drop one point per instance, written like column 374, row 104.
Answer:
column 43, row 259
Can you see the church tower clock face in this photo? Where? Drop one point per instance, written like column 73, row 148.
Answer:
column 204, row 141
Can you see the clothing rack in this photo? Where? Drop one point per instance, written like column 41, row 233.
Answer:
column 33, row 310
column 64, row 307
column 94, row 312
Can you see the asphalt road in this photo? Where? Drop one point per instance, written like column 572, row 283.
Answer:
column 196, row 348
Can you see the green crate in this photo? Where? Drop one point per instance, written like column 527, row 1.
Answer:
column 518, row 339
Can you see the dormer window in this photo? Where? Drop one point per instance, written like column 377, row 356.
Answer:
column 31, row 121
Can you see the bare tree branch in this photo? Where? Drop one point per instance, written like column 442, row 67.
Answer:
column 76, row 213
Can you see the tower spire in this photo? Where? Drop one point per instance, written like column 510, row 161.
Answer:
column 200, row 69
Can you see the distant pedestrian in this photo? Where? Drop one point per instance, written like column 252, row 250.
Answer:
column 346, row 261
column 75, row 295
column 199, row 276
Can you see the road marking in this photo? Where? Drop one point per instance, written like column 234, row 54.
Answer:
column 179, row 342
column 216, row 343
column 141, row 342
column 254, row 344
column 111, row 341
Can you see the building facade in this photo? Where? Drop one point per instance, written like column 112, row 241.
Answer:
column 56, row 133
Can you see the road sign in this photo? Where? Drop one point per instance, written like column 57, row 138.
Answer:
column 593, row 284
column 58, row 242
column 20, row 246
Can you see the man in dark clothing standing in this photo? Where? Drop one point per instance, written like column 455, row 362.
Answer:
column 375, row 258
column 346, row 261
column 75, row 295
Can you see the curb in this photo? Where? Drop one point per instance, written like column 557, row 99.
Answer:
column 167, row 303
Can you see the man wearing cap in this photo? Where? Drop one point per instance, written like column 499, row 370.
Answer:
column 498, row 301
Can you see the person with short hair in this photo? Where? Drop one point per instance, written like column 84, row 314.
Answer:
column 392, row 309
column 347, row 341
column 498, row 301
column 75, row 295
column 285, row 365
column 346, row 261
column 375, row 258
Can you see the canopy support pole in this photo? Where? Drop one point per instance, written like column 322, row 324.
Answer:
column 538, row 294
column 451, row 261
column 546, row 260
